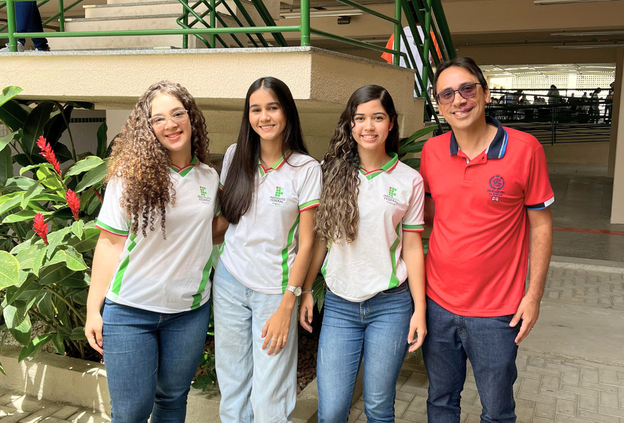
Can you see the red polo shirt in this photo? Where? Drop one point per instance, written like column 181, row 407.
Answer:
column 478, row 250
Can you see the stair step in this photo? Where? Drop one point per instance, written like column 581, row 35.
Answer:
column 122, row 18
column 138, row 9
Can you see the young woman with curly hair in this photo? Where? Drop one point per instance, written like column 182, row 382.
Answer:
column 368, row 228
column 271, row 187
column 153, row 258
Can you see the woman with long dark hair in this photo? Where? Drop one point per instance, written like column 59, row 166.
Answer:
column 368, row 228
column 271, row 187
column 151, row 262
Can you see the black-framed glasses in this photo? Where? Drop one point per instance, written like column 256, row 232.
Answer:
column 178, row 117
column 466, row 91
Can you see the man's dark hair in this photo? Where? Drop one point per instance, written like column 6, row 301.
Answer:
column 459, row 62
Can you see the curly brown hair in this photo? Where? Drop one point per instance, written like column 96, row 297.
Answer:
column 142, row 162
column 338, row 215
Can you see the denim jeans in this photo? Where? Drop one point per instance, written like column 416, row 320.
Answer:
column 488, row 342
column 28, row 19
column 374, row 330
column 150, row 360
column 255, row 386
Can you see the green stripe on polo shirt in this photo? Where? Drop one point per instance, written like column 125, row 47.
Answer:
column 394, row 159
column 123, row 267
column 291, row 237
column 413, row 227
column 324, row 268
column 190, row 167
column 308, row 204
column 394, row 281
column 202, row 286
column 104, row 226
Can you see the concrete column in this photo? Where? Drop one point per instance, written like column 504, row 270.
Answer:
column 115, row 120
column 617, row 144
column 619, row 74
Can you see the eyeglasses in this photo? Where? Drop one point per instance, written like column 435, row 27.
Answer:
column 466, row 91
column 178, row 117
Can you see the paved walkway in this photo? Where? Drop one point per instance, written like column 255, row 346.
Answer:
column 571, row 368
column 19, row 408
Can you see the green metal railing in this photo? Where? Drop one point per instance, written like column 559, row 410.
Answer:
column 429, row 14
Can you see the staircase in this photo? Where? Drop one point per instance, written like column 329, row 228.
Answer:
column 119, row 15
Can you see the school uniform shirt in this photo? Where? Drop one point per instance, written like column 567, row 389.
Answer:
column 260, row 249
column 390, row 202
column 166, row 275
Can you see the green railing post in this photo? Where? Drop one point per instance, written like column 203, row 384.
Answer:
column 61, row 16
column 185, row 21
column 397, row 31
column 427, row 40
column 305, row 22
column 213, row 23
column 11, row 25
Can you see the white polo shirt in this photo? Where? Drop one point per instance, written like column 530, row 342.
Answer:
column 390, row 202
column 260, row 249
column 166, row 276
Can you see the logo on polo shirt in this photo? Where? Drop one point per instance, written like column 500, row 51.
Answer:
column 391, row 196
column 278, row 199
column 203, row 197
column 497, row 183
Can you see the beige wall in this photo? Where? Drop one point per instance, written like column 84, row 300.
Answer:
column 617, row 209
column 578, row 153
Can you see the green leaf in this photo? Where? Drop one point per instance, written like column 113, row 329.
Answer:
column 8, row 93
column 59, row 344
column 102, row 140
column 419, row 134
column 21, row 216
column 9, row 270
column 24, row 160
column 57, row 124
column 20, row 182
column 48, row 197
column 39, row 259
column 91, row 236
column 4, row 141
column 34, row 125
column 35, row 189
column 82, row 105
column 414, row 147
column 35, row 166
column 72, row 258
column 413, row 163
column 78, row 334
column 76, row 280
column 62, row 152
column 19, row 247
column 13, row 115
column 25, row 286
column 18, row 322
column 45, row 305
column 34, row 347
column 6, row 165
column 55, row 238
column 84, row 165
column 93, row 177
column 10, row 201
column 50, row 179
column 319, row 291
column 22, row 332
column 27, row 256
column 78, row 228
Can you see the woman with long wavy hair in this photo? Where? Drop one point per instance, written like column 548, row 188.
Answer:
column 152, row 262
column 369, row 245
column 271, row 187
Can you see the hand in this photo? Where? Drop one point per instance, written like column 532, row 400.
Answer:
column 528, row 311
column 275, row 331
column 306, row 310
column 418, row 327
column 93, row 331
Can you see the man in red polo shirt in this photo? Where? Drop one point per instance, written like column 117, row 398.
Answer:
column 488, row 197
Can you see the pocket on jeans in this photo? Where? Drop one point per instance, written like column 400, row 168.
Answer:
column 398, row 290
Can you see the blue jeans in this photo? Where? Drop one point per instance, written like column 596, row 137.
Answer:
column 375, row 330
column 150, row 360
column 255, row 387
column 28, row 19
column 488, row 342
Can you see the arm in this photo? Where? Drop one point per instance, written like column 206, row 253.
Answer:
column 540, row 250
column 429, row 211
column 219, row 226
column 307, row 300
column 415, row 261
column 276, row 328
column 105, row 261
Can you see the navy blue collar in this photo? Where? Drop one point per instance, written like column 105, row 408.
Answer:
column 497, row 147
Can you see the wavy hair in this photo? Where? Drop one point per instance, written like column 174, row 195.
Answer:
column 239, row 186
column 142, row 162
column 338, row 215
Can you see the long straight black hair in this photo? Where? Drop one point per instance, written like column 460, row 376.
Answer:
column 239, row 187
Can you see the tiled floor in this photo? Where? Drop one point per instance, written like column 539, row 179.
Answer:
column 19, row 408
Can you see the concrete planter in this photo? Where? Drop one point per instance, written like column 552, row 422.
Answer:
column 83, row 383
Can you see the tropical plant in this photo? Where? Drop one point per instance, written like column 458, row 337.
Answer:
column 48, row 230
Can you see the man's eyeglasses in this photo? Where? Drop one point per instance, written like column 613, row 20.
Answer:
column 178, row 117
column 466, row 91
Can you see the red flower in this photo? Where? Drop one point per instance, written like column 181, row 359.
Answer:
column 48, row 153
column 73, row 202
column 41, row 228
